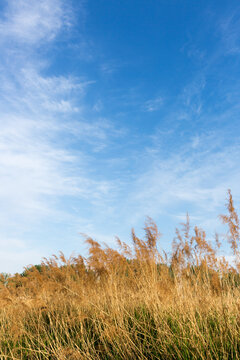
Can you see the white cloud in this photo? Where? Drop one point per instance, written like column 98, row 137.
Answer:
column 196, row 181
column 154, row 104
column 44, row 122
column 41, row 120
column 229, row 26
column 98, row 106
column 35, row 168
column 191, row 97
column 32, row 21
column 196, row 141
column 28, row 89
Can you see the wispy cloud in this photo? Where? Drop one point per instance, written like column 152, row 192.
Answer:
column 34, row 161
column 230, row 27
column 153, row 104
column 42, row 118
column 195, row 177
column 31, row 22
column 28, row 89
column 62, row 157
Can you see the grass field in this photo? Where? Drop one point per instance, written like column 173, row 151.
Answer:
column 131, row 303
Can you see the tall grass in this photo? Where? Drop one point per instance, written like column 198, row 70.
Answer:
column 132, row 303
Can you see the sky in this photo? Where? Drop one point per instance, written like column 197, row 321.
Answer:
column 111, row 111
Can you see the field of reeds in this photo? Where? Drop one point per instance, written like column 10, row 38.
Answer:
column 132, row 303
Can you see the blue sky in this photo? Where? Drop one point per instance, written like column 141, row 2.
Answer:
column 111, row 111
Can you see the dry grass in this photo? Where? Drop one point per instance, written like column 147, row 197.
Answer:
column 134, row 303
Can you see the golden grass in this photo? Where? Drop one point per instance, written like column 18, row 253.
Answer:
column 131, row 303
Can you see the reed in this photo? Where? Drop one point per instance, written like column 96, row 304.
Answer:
column 132, row 303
